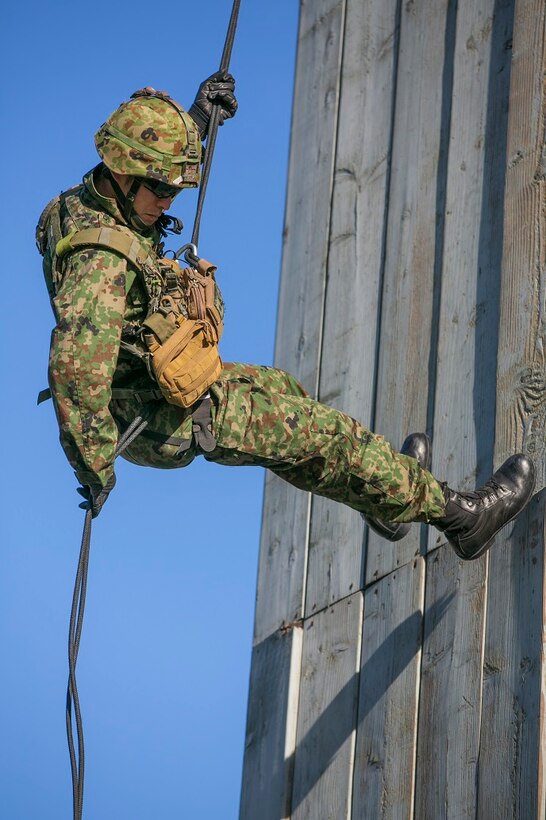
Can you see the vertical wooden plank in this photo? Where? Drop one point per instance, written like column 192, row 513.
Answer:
column 387, row 710
column 282, row 559
column 511, row 758
column 521, row 398
column 326, row 725
column 283, row 549
column 449, row 716
column 466, row 360
column 271, row 727
column 354, row 273
column 413, row 242
column 514, row 724
column 310, row 178
column 464, row 401
column 283, row 553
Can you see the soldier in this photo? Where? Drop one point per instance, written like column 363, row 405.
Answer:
column 133, row 329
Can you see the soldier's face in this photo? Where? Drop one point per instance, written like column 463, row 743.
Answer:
column 147, row 205
column 150, row 207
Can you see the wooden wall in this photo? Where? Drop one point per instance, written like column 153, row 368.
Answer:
column 393, row 680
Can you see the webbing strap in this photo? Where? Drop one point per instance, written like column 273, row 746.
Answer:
column 118, row 393
column 143, row 396
column 128, row 245
column 202, row 435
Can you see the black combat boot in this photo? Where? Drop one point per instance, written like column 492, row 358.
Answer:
column 417, row 445
column 472, row 520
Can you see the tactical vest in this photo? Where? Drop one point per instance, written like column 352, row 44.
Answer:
column 178, row 339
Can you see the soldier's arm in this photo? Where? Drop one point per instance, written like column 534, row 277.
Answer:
column 85, row 343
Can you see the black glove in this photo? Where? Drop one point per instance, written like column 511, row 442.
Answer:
column 95, row 497
column 215, row 90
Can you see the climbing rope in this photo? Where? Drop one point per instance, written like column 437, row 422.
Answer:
column 77, row 761
column 77, row 749
column 213, row 125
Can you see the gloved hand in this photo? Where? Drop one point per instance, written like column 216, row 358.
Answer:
column 95, row 497
column 218, row 89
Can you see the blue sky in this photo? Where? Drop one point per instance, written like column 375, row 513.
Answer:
column 165, row 655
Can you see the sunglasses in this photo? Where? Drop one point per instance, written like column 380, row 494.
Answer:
column 160, row 189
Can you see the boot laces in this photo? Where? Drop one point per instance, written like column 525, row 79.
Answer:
column 490, row 492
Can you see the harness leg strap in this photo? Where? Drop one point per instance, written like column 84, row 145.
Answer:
column 202, row 428
column 202, row 425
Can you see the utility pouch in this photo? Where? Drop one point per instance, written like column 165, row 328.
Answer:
column 200, row 289
column 186, row 362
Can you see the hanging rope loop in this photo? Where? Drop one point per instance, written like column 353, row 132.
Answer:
column 77, row 760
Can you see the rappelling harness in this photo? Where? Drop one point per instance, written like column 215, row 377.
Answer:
column 178, row 339
column 178, row 344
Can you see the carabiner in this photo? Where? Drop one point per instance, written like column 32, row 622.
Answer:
column 189, row 252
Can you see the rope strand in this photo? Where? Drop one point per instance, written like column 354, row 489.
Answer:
column 77, row 760
column 214, row 123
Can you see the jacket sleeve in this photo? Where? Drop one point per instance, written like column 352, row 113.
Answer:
column 89, row 308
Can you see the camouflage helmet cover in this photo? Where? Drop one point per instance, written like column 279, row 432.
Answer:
column 152, row 136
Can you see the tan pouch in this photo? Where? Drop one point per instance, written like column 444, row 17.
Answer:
column 199, row 288
column 187, row 362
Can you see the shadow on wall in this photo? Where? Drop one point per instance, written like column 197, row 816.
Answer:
column 490, row 247
column 276, row 783
column 319, row 746
column 490, row 240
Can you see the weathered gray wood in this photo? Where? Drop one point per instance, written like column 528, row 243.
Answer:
column 283, row 550
column 511, row 765
column 482, row 718
column 354, row 273
column 283, row 557
column 326, row 726
column 465, row 398
column 283, row 553
column 449, row 715
column 512, row 754
column 310, row 179
column 413, row 243
column 463, row 425
column 466, row 361
column 521, row 419
column 271, row 727
column 387, row 711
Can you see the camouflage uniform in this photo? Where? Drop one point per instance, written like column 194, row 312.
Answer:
column 260, row 415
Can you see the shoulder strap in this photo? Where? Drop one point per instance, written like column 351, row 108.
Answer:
column 127, row 245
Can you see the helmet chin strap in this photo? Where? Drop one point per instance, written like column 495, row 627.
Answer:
column 126, row 201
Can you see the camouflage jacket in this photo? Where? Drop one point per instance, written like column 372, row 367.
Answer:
column 97, row 296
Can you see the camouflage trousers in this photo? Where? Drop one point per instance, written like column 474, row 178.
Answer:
column 262, row 416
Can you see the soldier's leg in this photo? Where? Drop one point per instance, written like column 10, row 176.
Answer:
column 262, row 416
column 167, row 442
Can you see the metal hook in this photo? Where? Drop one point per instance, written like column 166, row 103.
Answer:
column 189, row 252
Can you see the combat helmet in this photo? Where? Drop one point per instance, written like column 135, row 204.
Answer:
column 149, row 137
